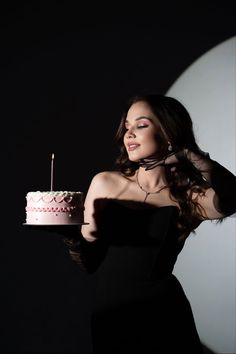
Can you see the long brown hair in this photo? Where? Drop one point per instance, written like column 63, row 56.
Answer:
column 184, row 179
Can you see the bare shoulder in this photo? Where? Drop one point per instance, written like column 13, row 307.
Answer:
column 105, row 177
column 107, row 182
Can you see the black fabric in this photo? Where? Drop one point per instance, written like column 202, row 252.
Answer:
column 220, row 179
column 139, row 305
column 224, row 184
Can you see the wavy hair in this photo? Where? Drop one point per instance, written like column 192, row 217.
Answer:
column 184, row 179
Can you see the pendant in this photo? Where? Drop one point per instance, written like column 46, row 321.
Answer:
column 147, row 194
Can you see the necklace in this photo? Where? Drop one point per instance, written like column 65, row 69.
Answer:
column 148, row 193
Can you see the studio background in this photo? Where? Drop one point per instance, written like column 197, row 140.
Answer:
column 65, row 75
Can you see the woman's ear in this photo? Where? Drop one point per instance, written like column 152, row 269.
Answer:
column 170, row 147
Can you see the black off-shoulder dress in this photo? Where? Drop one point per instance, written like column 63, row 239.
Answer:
column 139, row 305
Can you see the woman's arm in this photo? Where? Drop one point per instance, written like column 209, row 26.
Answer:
column 222, row 181
column 219, row 200
column 88, row 255
column 85, row 247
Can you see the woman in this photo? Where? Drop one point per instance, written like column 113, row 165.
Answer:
column 139, row 217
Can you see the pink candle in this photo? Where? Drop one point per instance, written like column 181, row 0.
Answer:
column 52, row 162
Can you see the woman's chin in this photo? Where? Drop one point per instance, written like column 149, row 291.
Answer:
column 133, row 159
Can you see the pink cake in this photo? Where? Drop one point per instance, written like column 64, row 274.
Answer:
column 54, row 208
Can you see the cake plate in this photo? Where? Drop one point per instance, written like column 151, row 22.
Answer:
column 84, row 223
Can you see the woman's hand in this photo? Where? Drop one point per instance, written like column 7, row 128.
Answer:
column 176, row 157
column 186, row 155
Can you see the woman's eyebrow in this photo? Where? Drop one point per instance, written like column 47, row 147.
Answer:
column 139, row 118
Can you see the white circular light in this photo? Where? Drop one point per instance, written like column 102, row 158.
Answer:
column 206, row 266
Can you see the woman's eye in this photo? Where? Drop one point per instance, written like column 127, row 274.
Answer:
column 142, row 126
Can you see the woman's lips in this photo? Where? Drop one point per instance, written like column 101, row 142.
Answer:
column 132, row 147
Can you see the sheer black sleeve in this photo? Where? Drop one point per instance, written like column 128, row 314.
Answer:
column 224, row 184
column 220, row 179
column 88, row 255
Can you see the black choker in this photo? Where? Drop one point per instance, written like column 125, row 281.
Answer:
column 151, row 162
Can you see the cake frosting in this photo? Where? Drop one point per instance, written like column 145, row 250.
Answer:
column 54, row 208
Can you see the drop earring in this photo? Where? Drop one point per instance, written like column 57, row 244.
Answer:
column 170, row 148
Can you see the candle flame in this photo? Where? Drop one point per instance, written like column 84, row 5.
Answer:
column 52, row 156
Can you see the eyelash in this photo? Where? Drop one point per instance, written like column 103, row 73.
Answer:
column 138, row 127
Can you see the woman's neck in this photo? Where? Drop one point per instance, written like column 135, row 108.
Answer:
column 151, row 179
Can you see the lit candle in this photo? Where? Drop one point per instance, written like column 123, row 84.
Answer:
column 52, row 161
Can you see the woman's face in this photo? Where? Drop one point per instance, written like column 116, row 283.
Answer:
column 143, row 137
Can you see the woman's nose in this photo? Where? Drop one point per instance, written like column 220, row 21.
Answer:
column 130, row 133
